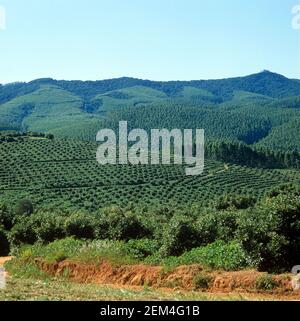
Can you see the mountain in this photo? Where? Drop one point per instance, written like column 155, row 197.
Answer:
column 246, row 109
column 263, row 83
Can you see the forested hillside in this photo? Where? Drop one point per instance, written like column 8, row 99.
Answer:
column 260, row 109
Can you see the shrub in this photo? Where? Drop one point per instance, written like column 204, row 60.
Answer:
column 202, row 281
column 4, row 245
column 226, row 225
column 81, row 225
column 228, row 256
column 116, row 224
column 217, row 225
column 235, row 202
column 271, row 233
column 6, row 217
column 220, row 255
column 22, row 233
column 24, row 207
column 44, row 226
column 141, row 249
column 206, row 227
column 48, row 226
column 179, row 235
column 266, row 282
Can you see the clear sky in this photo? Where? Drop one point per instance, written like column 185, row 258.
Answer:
column 149, row 39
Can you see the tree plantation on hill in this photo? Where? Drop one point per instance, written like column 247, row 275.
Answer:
column 66, row 172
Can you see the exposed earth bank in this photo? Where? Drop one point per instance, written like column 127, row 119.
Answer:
column 182, row 277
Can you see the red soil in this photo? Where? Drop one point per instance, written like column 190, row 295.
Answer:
column 181, row 277
column 4, row 259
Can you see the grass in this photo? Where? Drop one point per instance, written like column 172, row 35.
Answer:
column 69, row 248
column 27, row 289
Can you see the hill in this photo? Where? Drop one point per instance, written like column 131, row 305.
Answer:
column 245, row 109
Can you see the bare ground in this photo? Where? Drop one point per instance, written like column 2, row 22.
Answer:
column 178, row 279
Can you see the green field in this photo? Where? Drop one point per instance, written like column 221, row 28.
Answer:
column 66, row 171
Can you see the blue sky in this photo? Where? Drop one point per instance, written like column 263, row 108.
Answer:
column 149, row 39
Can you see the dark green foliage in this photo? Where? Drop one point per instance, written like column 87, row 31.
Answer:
column 117, row 224
column 49, row 136
column 202, row 281
column 81, row 225
column 290, row 102
column 235, row 202
column 218, row 255
column 206, row 227
column 24, row 207
column 6, row 216
column 22, row 233
column 260, row 108
column 271, row 233
column 11, row 91
column 266, row 282
column 142, row 248
column 4, row 244
column 43, row 226
column 179, row 235
column 285, row 189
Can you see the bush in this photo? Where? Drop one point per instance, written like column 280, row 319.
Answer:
column 235, row 202
column 22, row 233
column 116, row 224
column 271, row 233
column 24, row 207
column 217, row 225
column 4, row 245
column 81, row 225
column 202, row 281
column 141, row 249
column 266, row 283
column 227, row 256
column 48, row 226
column 220, row 255
column 226, row 225
column 41, row 226
column 179, row 235
column 6, row 217
column 206, row 227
